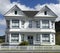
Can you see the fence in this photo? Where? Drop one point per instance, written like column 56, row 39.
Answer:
column 31, row 48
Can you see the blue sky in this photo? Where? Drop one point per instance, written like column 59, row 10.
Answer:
column 27, row 4
column 32, row 3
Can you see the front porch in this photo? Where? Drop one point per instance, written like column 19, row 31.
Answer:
column 32, row 38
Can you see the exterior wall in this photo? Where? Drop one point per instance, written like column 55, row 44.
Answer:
column 33, row 24
column 32, row 31
column 20, row 15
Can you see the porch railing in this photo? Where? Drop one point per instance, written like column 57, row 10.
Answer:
column 31, row 48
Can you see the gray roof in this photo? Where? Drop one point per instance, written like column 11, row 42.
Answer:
column 30, row 13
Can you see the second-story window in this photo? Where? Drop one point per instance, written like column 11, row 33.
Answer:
column 52, row 23
column 45, row 24
column 15, row 23
column 37, row 24
column 30, row 23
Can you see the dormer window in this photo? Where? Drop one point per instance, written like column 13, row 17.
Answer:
column 45, row 12
column 15, row 12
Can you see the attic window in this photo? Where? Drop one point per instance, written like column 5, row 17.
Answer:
column 45, row 12
column 15, row 12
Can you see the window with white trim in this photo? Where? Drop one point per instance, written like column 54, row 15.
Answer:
column 22, row 23
column 45, row 24
column 15, row 23
column 45, row 37
column 52, row 37
column 22, row 37
column 15, row 37
column 38, row 24
column 52, row 24
column 37, row 37
column 30, row 23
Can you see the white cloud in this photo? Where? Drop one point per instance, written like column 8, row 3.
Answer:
column 5, row 5
column 22, row 7
column 2, row 26
column 2, row 22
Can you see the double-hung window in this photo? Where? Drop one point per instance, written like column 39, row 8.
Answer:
column 22, row 23
column 22, row 37
column 45, row 24
column 45, row 37
column 15, row 37
column 52, row 37
column 52, row 25
column 15, row 23
column 37, row 37
column 38, row 24
column 30, row 23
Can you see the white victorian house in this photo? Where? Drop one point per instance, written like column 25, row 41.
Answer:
column 36, row 27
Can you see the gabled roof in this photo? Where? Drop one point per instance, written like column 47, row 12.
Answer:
column 46, row 10
column 14, row 7
column 31, row 13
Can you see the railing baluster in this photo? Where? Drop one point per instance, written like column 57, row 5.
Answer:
column 27, row 48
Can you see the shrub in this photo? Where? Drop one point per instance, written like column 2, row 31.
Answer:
column 24, row 43
column 1, row 40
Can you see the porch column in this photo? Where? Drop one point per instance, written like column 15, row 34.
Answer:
column 50, row 38
column 50, row 24
column 19, row 23
column 6, row 38
column 54, row 39
column 10, row 23
column 41, row 38
column 41, row 24
column 54, row 25
column 19, row 37
column 10, row 38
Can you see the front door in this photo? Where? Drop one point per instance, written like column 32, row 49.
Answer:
column 30, row 40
